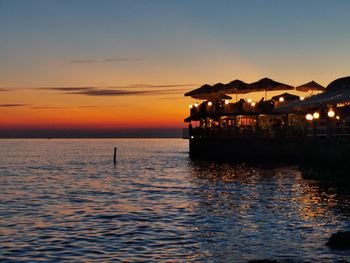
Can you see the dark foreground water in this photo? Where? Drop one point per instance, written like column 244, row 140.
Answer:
column 65, row 200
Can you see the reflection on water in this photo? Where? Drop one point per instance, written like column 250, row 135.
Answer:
column 64, row 200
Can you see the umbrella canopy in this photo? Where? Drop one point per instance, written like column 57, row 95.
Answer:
column 337, row 91
column 286, row 96
column 312, row 85
column 236, row 86
column 267, row 84
column 219, row 87
column 201, row 90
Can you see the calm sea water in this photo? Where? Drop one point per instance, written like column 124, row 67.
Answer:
column 65, row 200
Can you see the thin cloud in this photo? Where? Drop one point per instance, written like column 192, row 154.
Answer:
column 122, row 59
column 68, row 88
column 107, row 60
column 13, row 105
column 173, row 85
column 121, row 92
column 108, row 92
column 144, row 85
column 45, row 107
column 177, row 98
column 81, row 61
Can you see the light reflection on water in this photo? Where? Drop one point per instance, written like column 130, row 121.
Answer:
column 64, row 200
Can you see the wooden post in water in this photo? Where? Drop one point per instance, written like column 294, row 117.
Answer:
column 115, row 155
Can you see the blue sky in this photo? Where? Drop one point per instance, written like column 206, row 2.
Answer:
column 275, row 37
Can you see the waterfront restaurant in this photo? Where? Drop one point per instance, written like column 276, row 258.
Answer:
column 284, row 115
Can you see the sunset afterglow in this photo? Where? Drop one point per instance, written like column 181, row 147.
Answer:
column 126, row 64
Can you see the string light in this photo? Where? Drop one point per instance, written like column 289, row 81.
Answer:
column 309, row 117
column 331, row 113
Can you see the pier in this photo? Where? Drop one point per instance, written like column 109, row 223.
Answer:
column 286, row 127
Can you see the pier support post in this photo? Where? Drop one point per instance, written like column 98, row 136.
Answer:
column 115, row 155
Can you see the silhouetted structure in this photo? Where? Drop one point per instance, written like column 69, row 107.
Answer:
column 285, row 127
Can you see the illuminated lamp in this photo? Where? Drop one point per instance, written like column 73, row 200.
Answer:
column 331, row 113
column 253, row 104
column 227, row 102
column 210, row 103
column 249, row 100
column 309, row 117
column 337, row 117
column 281, row 99
column 302, row 98
column 316, row 115
column 196, row 104
column 190, row 106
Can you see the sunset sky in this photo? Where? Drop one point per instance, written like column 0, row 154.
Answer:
column 102, row 66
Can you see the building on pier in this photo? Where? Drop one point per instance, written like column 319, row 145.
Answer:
column 285, row 125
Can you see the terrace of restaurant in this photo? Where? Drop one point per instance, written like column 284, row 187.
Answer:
column 284, row 115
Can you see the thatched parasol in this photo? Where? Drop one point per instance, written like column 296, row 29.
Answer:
column 286, row 97
column 312, row 85
column 267, row 84
column 206, row 88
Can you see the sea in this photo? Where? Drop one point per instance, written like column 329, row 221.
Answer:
column 64, row 200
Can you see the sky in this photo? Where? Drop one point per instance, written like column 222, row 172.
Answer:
column 119, row 67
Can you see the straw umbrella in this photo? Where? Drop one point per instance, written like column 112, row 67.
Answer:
column 312, row 85
column 205, row 89
column 267, row 84
column 236, row 87
column 286, row 97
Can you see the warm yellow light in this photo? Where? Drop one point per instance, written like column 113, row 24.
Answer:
column 281, row 99
column 253, row 104
column 249, row 100
column 210, row 103
column 190, row 106
column 309, row 117
column 337, row 117
column 196, row 104
column 316, row 115
column 331, row 113
column 302, row 98
column 227, row 102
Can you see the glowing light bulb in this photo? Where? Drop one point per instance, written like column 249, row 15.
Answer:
column 302, row 98
column 281, row 99
column 196, row 104
column 309, row 117
column 316, row 115
column 227, row 102
column 210, row 103
column 249, row 100
column 253, row 104
column 190, row 106
column 331, row 113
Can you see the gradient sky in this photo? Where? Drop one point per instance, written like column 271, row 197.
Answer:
column 80, row 64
